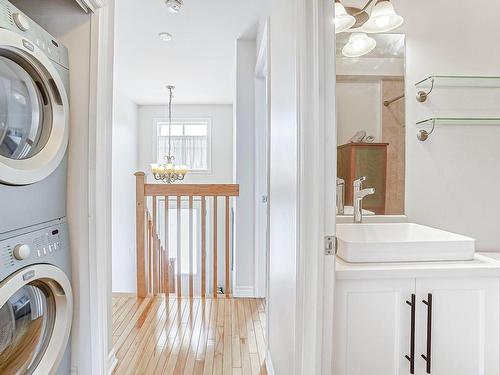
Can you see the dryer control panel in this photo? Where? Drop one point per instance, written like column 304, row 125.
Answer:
column 49, row 245
column 13, row 19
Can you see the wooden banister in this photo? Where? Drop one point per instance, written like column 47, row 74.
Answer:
column 140, row 213
column 155, row 270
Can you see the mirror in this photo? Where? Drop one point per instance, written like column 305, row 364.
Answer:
column 371, row 122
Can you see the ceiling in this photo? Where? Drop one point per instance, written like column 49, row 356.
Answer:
column 199, row 60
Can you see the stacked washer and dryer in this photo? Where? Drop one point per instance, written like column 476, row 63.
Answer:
column 35, row 291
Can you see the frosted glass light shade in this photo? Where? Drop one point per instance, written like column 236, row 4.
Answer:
column 359, row 44
column 342, row 21
column 382, row 19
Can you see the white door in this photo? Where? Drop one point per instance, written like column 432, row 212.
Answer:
column 373, row 334
column 460, row 334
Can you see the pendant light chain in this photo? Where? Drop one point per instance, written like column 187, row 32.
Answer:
column 170, row 88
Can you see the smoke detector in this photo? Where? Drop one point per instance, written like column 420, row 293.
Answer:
column 174, row 6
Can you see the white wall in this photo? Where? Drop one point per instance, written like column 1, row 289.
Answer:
column 125, row 155
column 283, row 188
column 222, row 138
column 358, row 108
column 452, row 178
column 244, row 164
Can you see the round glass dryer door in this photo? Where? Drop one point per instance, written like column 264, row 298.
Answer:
column 33, row 112
column 34, row 321
column 22, row 129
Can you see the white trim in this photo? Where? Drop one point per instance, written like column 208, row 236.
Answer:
column 91, row 5
column 317, row 170
column 112, row 361
column 269, row 364
column 99, row 186
column 243, row 292
column 261, row 147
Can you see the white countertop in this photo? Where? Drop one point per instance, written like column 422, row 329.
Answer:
column 346, row 219
column 480, row 266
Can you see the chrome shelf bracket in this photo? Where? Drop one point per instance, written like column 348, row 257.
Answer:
column 422, row 95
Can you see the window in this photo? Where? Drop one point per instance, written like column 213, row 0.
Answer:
column 190, row 142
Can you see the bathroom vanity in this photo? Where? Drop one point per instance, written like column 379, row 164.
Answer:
column 417, row 317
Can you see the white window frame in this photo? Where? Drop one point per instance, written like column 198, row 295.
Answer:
column 208, row 120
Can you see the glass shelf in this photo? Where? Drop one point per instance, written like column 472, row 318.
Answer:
column 460, row 121
column 459, row 81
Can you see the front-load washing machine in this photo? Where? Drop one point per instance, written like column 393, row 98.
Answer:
column 35, row 302
column 34, row 123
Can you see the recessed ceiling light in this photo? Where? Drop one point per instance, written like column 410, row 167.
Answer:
column 166, row 37
column 174, row 6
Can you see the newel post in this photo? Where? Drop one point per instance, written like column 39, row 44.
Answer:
column 140, row 213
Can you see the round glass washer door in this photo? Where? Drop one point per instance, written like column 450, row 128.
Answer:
column 35, row 320
column 33, row 112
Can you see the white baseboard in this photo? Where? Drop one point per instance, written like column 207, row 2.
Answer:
column 243, row 292
column 112, row 361
column 269, row 364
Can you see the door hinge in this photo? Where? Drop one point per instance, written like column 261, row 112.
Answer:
column 330, row 245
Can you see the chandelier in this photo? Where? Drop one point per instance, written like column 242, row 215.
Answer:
column 168, row 172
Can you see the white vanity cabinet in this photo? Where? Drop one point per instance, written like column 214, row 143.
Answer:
column 455, row 323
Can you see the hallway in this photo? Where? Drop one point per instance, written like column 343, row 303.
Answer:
column 188, row 336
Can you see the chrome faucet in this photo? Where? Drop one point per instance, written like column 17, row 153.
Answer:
column 358, row 195
column 340, row 196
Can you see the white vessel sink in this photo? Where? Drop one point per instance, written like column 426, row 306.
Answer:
column 400, row 242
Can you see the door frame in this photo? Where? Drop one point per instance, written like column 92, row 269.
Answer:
column 316, row 195
column 317, row 172
column 103, row 358
column 262, row 74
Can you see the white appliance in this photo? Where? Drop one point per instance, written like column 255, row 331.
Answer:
column 35, row 292
column 34, row 122
column 36, row 302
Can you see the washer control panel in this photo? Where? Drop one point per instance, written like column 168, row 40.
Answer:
column 21, row 252
column 49, row 245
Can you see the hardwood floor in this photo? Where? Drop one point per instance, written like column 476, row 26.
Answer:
column 183, row 336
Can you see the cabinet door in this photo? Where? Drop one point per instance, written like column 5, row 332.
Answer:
column 463, row 326
column 372, row 327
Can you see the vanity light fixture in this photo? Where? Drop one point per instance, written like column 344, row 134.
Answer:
column 383, row 18
column 166, row 37
column 359, row 44
column 342, row 21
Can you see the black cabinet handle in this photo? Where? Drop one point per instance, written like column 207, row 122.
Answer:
column 427, row 357
column 411, row 357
